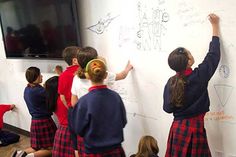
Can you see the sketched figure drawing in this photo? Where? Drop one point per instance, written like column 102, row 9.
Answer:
column 151, row 27
column 224, row 71
column 102, row 24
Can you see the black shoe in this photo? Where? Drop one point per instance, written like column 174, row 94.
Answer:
column 14, row 153
column 23, row 155
column 20, row 153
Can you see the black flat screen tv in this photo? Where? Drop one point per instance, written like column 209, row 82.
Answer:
column 39, row 29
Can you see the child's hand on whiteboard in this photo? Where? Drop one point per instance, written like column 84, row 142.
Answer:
column 214, row 19
column 13, row 106
column 129, row 66
column 122, row 75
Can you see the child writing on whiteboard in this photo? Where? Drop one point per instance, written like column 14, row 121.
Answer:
column 92, row 124
column 147, row 147
column 80, row 84
column 43, row 128
column 186, row 96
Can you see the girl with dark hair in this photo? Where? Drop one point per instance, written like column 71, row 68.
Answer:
column 43, row 128
column 186, row 96
column 51, row 86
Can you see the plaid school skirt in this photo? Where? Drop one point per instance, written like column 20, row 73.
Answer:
column 116, row 152
column 42, row 132
column 187, row 138
column 80, row 145
column 77, row 141
column 62, row 146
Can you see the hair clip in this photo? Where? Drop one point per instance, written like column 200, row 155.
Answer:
column 180, row 50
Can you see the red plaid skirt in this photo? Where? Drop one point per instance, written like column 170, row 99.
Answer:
column 62, row 146
column 42, row 132
column 117, row 152
column 187, row 138
column 80, row 144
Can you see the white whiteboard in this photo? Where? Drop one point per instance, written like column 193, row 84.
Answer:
column 145, row 32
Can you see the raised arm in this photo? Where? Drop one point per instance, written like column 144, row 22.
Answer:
column 209, row 65
column 122, row 75
column 214, row 19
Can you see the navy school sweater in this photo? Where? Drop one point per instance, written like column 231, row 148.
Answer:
column 99, row 117
column 35, row 98
column 196, row 94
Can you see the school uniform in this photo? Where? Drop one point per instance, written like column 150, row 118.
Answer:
column 3, row 109
column 65, row 82
column 62, row 146
column 42, row 128
column 187, row 136
column 63, row 142
column 99, row 117
column 80, row 88
column 6, row 137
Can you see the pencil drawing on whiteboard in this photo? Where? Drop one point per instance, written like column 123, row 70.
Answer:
column 224, row 71
column 188, row 14
column 141, row 115
column 223, row 92
column 124, row 93
column 151, row 27
column 132, row 98
column 102, row 24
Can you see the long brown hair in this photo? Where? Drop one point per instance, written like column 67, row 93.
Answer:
column 178, row 61
column 51, row 86
column 147, row 147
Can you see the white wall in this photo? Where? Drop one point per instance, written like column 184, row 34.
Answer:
column 146, row 32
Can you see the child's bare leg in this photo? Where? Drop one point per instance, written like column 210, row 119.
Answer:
column 43, row 153
column 29, row 150
column 76, row 153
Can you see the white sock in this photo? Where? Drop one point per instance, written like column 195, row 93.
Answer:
column 20, row 152
column 30, row 155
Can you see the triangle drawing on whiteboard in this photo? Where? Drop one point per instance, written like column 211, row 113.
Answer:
column 223, row 92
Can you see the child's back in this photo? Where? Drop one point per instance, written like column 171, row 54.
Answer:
column 35, row 98
column 99, row 116
column 105, row 109
column 43, row 128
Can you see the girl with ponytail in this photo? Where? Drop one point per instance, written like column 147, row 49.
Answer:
column 186, row 96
